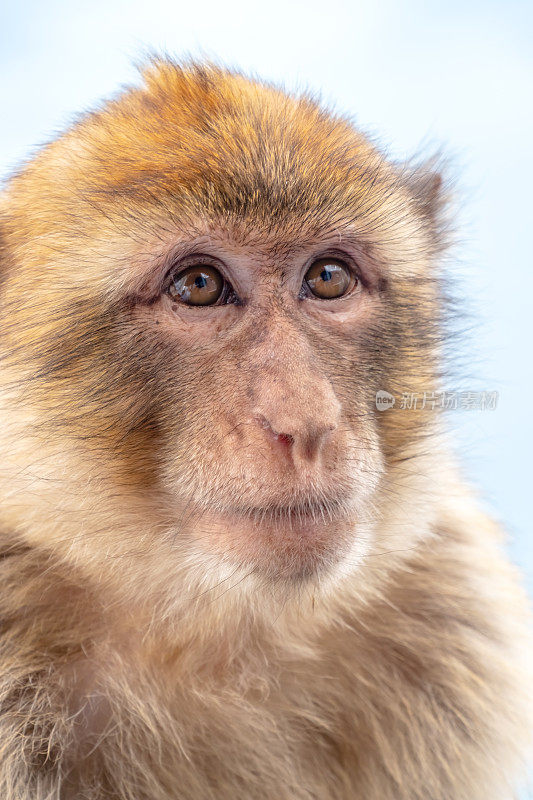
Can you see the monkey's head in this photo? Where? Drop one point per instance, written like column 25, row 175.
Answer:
column 204, row 285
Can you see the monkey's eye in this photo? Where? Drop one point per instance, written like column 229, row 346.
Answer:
column 329, row 278
column 199, row 285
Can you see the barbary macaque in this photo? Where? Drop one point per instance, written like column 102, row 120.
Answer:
column 226, row 571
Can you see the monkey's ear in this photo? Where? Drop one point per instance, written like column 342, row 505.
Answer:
column 425, row 184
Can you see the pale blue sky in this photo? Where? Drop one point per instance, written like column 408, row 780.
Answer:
column 452, row 74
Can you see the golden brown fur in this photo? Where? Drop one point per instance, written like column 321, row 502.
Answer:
column 168, row 632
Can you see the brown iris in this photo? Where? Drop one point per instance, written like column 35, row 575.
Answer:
column 329, row 278
column 200, row 285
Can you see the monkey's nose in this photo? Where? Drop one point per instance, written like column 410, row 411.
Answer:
column 303, row 438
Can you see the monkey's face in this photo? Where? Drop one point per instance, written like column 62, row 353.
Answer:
column 269, row 448
column 195, row 328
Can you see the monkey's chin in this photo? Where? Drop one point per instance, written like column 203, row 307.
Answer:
column 289, row 546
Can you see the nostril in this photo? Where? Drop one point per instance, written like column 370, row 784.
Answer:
column 283, row 438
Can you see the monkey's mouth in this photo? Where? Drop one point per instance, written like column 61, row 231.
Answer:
column 295, row 515
column 289, row 541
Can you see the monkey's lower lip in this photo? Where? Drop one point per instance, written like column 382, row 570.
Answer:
column 295, row 515
column 290, row 541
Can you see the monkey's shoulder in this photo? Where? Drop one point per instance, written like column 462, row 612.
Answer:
column 438, row 662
